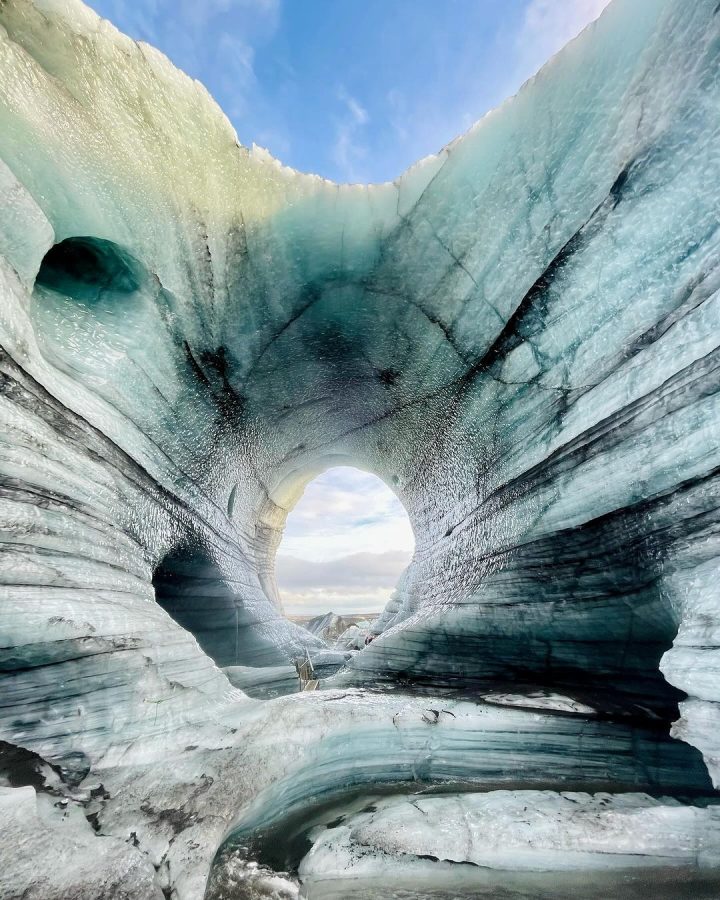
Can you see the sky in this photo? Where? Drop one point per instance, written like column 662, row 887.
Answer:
column 354, row 90
column 345, row 544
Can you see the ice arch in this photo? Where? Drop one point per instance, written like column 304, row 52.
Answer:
column 519, row 335
column 86, row 268
column 189, row 587
column 537, row 389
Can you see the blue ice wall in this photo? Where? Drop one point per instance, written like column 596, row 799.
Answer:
column 519, row 335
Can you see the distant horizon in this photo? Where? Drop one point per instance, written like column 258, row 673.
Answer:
column 348, row 615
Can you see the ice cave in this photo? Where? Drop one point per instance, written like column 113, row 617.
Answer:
column 520, row 336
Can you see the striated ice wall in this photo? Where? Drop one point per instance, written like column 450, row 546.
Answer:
column 520, row 336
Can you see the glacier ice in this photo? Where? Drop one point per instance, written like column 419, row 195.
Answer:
column 519, row 335
column 517, row 830
column 83, row 867
column 330, row 626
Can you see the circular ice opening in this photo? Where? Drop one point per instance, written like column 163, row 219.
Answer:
column 86, row 268
column 345, row 544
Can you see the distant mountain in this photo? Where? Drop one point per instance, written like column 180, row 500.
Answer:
column 330, row 626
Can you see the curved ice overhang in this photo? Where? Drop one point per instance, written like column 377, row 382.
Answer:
column 520, row 336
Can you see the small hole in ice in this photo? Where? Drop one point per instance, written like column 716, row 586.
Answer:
column 86, row 268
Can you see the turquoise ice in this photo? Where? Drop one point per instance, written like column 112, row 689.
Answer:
column 519, row 336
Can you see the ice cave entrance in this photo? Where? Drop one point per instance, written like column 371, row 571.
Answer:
column 345, row 544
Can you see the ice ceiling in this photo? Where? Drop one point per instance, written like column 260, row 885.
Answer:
column 520, row 336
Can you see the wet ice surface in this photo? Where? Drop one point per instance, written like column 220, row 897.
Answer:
column 237, row 875
column 523, row 830
column 581, row 700
column 656, row 884
column 240, row 882
column 237, row 879
column 540, row 700
column 263, row 683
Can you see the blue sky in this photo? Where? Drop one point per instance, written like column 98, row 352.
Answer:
column 355, row 90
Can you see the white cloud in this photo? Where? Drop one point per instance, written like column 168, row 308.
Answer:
column 359, row 570
column 547, row 26
column 475, row 76
column 398, row 113
column 346, row 511
column 345, row 545
column 348, row 149
column 239, row 79
column 257, row 15
column 358, row 114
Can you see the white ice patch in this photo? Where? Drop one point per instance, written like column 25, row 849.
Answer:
column 540, row 700
column 519, row 831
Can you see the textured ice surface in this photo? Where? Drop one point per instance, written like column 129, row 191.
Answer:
column 353, row 638
column 263, row 682
column 304, row 755
column 516, row 830
column 519, row 335
column 50, row 850
column 540, row 700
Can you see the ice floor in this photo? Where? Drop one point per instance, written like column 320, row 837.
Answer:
column 477, row 815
